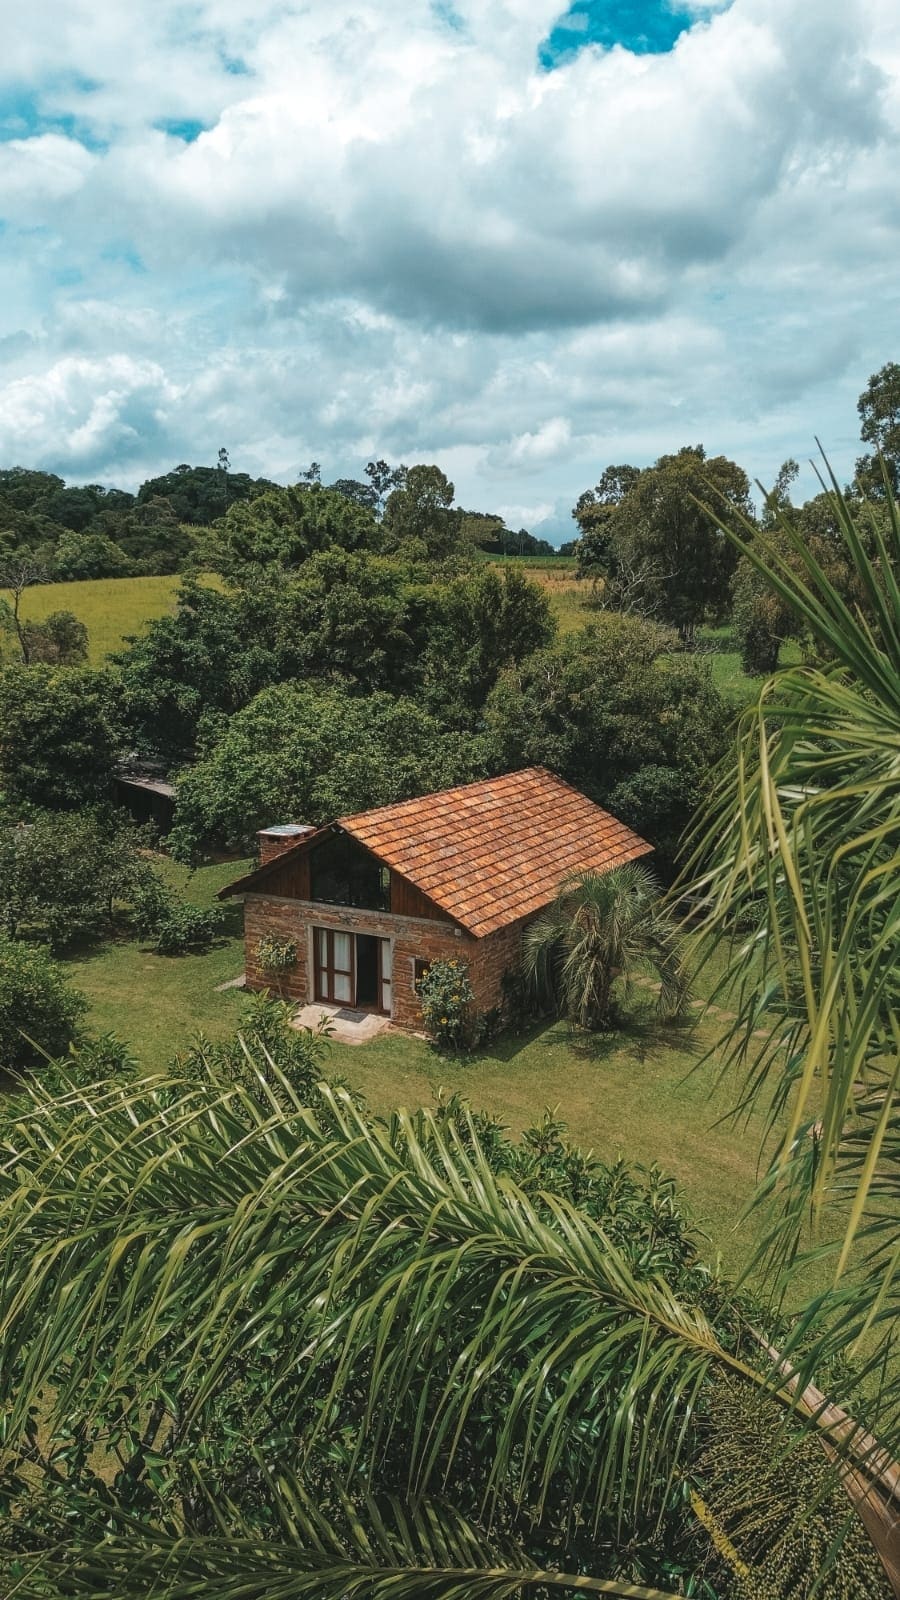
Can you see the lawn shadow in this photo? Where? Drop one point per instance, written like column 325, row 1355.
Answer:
column 641, row 1038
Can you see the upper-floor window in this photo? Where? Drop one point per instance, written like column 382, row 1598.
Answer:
column 342, row 873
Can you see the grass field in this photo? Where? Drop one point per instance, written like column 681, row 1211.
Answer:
column 643, row 1093
column 110, row 608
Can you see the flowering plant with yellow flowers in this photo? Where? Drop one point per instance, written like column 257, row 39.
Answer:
column 446, row 996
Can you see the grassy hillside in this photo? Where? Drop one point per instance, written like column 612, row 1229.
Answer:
column 110, row 608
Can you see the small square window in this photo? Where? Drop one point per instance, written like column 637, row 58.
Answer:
column 421, row 970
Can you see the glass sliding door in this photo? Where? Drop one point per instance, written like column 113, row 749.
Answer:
column 335, row 967
column 353, row 969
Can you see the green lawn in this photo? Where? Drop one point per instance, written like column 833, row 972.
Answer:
column 646, row 1095
column 157, row 1003
column 642, row 1093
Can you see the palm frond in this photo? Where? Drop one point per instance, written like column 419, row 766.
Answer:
column 801, row 855
column 383, row 1551
column 175, row 1227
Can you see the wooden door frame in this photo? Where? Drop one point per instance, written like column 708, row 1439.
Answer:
column 324, row 990
column 320, row 972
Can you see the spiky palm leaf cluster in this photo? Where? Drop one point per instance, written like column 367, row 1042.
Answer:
column 605, row 927
column 798, row 867
column 417, row 1321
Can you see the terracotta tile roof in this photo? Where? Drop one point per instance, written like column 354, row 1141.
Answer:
column 491, row 853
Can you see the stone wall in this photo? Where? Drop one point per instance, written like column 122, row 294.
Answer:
column 412, row 939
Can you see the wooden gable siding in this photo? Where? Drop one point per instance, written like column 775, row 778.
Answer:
column 408, row 901
column 292, row 882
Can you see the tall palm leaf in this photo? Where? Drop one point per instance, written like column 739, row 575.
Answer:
column 177, row 1227
column 801, row 853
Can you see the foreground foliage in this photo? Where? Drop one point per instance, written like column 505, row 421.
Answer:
column 256, row 1342
column 797, row 867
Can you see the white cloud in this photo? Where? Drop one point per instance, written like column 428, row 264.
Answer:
column 400, row 235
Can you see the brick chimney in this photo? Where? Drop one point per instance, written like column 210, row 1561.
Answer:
column 274, row 841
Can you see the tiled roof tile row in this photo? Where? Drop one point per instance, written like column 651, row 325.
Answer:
column 491, row 853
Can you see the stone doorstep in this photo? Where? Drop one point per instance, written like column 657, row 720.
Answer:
column 346, row 1025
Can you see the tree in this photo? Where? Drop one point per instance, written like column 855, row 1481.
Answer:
column 616, row 711
column 63, row 876
column 481, row 624
column 88, row 555
column 206, row 660
column 384, row 478
column 195, row 493
column 593, row 513
column 361, row 616
column 18, row 573
column 278, row 531
column 223, row 466
column 60, row 640
column 796, row 866
column 39, row 1012
column 602, row 928
column 153, row 539
column 418, row 515
column 313, row 752
column 667, row 524
column 879, row 413
column 60, row 735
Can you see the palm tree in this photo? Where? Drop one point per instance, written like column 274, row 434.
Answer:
column 604, row 927
column 798, row 868
column 227, row 1310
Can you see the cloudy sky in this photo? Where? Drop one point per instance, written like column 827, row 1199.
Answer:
column 518, row 240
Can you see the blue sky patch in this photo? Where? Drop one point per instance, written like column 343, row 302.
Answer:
column 186, row 128
column 647, row 27
column 26, row 113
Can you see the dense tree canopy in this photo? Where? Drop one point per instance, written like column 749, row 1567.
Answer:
column 656, row 535
column 619, row 715
column 200, row 495
column 304, row 752
column 60, row 735
column 280, row 529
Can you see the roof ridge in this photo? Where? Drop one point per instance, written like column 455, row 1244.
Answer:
column 455, row 788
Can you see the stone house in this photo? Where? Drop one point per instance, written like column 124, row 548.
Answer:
column 369, row 901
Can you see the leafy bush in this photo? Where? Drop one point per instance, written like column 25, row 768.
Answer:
column 268, row 1056
column 39, row 1011
column 446, row 997
column 276, row 956
column 64, row 875
column 172, row 925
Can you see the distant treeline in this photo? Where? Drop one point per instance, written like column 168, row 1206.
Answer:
column 75, row 531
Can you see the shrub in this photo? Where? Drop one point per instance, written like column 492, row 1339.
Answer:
column 173, row 926
column 446, row 997
column 268, row 1057
column 39, row 1011
column 276, row 956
